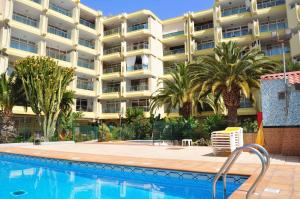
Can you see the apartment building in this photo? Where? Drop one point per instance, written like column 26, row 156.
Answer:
column 119, row 59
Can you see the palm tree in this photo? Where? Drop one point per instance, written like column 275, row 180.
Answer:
column 11, row 94
column 176, row 92
column 230, row 71
column 290, row 67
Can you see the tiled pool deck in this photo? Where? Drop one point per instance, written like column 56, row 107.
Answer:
column 281, row 181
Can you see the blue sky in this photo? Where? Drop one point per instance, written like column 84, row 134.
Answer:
column 162, row 8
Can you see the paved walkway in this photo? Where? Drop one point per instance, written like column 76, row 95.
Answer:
column 281, row 181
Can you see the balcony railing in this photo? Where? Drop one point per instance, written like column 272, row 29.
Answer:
column 112, row 50
column 172, row 34
column 86, row 63
column 58, row 31
column 115, row 68
column 57, row 54
column 111, row 89
column 112, row 31
column 245, row 103
column 174, row 51
column 59, row 9
column 25, row 20
column 270, row 27
column 204, row 26
column 84, row 108
column 111, row 108
column 205, row 45
column 137, row 27
column 133, row 88
column 86, row 43
column 137, row 67
column 234, row 11
column 85, row 85
column 275, row 50
column 236, row 33
column 144, row 108
column 137, row 46
column 169, row 69
column 36, row 1
column 87, row 23
column 269, row 3
column 23, row 45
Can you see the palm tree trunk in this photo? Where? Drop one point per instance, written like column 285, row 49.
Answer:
column 7, row 127
column 232, row 102
column 232, row 115
column 186, row 110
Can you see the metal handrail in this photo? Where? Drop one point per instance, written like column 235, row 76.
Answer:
column 264, row 157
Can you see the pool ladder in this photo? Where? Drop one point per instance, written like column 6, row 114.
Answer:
column 264, row 157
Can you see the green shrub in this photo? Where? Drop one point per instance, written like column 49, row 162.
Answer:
column 212, row 123
column 249, row 125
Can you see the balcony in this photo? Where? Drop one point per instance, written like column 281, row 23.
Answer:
column 137, row 67
column 269, row 3
column 173, row 34
column 137, row 27
column 275, row 26
column 205, row 45
column 174, row 51
column 205, row 26
column 169, row 68
column 23, row 45
column 36, row 1
column 112, row 50
column 245, row 103
column 87, row 23
column 114, row 68
column 236, row 32
column 57, row 54
column 134, row 88
column 86, row 63
column 59, row 32
column 275, row 50
column 138, row 46
column 233, row 11
column 140, row 104
column 59, row 9
column 111, row 108
column 112, row 31
column 25, row 20
column 86, row 43
column 85, row 84
column 111, row 89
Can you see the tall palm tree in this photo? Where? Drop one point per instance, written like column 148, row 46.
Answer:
column 176, row 92
column 230, row 71
column 11, row 94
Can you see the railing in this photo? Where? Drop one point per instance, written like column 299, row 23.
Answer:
column 137, row 67
column 169, row 69
column 86, row 63
column 258, row 150
column 84, row 84
column 112, row 108
column 205, row 45
column 58, row 31
column 59, row 9
column 276, row 50
column 137, row 27
column 270, row 27
column 137, row 46
column 86, row 43
column 172, row 34
column 144, row 108
column 87, row 23
column 234, row 11
column 112, row 31
column 245, row 103
column 174, row 51
column 111, row 89
column 236, row 33
column 25, row 20
column 112, row 50
column 269, row 3
column 138, row 88
column 84, row 108
column 57, row 54
column 115, row 68
column 204, row 26
column 23, row 45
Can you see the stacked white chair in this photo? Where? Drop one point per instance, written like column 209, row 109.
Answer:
column 227, row 141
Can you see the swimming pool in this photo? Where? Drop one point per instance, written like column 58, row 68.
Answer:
column 27, row 177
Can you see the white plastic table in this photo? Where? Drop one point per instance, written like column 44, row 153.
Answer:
column 186, row 142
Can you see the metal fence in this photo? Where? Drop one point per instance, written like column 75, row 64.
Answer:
column 83, row 133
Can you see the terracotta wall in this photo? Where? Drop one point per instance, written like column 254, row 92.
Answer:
column 249, row 138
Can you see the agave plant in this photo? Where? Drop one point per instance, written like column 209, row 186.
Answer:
column 230, row 71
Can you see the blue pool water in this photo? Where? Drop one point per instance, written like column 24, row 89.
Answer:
column 24, row 177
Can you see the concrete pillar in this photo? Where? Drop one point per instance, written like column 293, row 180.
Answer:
column 5, row 34
column 8, row 10
column 43, row 24
column 3, row 63
column 45, row 5
column 42, row 48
